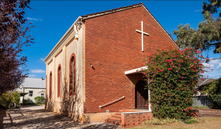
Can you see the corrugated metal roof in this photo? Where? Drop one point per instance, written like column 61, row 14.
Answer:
column 34, row 83
column 207, row 81
column 200, row 81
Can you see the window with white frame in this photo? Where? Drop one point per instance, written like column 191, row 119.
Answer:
column 30, row 93
column 42, row 94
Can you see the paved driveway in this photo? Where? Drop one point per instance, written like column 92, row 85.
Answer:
column 41, row 107
column 35, row 117
column 210, row 113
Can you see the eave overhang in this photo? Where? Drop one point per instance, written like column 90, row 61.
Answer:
column 137, row 70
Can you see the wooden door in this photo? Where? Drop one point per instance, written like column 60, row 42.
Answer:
column 141, row 95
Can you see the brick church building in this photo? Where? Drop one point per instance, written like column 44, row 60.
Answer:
column 96, row 65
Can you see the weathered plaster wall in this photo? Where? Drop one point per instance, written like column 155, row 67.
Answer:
column 50, row 69
column 35, row 94
column 72, row 105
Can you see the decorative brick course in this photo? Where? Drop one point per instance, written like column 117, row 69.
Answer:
column 195, row 113
column 135, row 119
column 129, row 117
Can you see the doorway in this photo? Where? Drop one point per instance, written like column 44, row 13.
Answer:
column 141, row 95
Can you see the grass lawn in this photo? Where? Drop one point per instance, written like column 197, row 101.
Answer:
column 197, row 107
column 203, row 123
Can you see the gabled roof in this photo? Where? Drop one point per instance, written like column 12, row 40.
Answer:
column 34, row 83
column 93, row 15
column 204, row 82
column 207, row 81
column 200, row 81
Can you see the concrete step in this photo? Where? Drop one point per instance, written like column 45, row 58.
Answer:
column 125, row 110
column 116, row 115
column 114, row 120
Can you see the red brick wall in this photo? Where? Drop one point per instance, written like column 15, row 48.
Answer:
column 113, row 46
column 135, row 119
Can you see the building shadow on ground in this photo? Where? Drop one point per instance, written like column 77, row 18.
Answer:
column 41, row 118
column 101, row 126
column 35, row 119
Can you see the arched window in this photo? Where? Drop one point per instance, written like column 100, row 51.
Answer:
column 50, row 85
column 59, row 81
column 72, row 75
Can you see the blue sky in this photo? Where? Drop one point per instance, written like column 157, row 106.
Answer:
column 53, row 18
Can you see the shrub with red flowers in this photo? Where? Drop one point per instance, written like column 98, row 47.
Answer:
column 172, row 77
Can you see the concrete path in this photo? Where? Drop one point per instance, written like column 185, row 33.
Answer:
column 33, row 107
column 35, row 117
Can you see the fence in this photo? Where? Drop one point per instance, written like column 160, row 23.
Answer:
column 202, row 101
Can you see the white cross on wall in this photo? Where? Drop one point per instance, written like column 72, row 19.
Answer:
column 142, row 33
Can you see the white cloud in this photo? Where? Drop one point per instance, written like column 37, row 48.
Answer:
column 215, row 62
column 218, row 66
column 34, row 19
column 215, row 68
column 42, row 59
column 37, row 71
column 213, row 74
column 32, row 75
column 209, row 66
column 197, row 10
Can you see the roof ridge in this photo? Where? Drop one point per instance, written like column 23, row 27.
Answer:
column 111, row 10
column 85, row 17
column 208, row 79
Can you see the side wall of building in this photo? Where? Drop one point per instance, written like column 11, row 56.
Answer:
column 68, row 104
column 36, row 92
column 113, row 46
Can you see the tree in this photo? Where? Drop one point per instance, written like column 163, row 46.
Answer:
column 8, row 98
column 213, row 89
column 13, row 37
column 173, row 75
column 207, row 34
column 211, row 7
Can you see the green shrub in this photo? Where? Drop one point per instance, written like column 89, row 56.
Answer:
column 39, row 100
column 173, row 75
column 198, row 107
column 217, row 99
column 191, row 120
column 9, row 98
column 213, row 90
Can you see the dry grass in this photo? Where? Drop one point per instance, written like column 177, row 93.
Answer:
column 204, row 123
